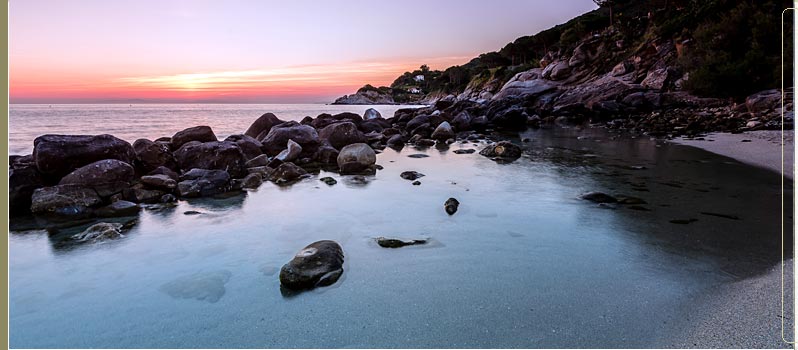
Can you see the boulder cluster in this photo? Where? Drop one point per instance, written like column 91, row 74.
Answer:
column 82, row 176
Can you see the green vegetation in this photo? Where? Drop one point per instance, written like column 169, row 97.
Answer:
column 728, row 48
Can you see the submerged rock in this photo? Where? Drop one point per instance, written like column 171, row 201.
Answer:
column 318, row 264
column 203, row 286
column 398, row 243
column 464, row 151
column 328, row 180
column 411, row 175
column 598, row 197
column 118, row 208
column 99, row 232
column 418, row 155
column 502, row 149
column 416, row 183
column 451, row 206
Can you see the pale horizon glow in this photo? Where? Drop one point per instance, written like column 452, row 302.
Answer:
column 241, row 51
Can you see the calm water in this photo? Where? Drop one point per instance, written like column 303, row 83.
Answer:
column 523, row 263
column 151, row 121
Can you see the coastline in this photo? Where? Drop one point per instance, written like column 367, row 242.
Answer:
column 760, row 148
column 759, row 297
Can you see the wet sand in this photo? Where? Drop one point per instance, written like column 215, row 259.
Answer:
column 754, row 303
column 759, row 148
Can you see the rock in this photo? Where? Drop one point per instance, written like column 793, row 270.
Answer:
column 139, row 194
column 464, row 151
column 598, row 197
column 163, row 182
column 198, row 133
column 763, row 101
column 524, row 85
column 560, row 71
column 514, row 117
column 168, row 198
column 371, row 113
column 214, row 155
column 462, row 121
column 165, row 171
column 416, row 122
column 630, row 200
column 396, row 142
column 64, row 200
column 656, row 79
column 365, row 96
column 356, row 158
column 277, row 138
column 416, row 183
column 341, row 134
column 328, row 180
column 411, row 175
column 151, row 155
column 203, row 182
column 443, row 132
column 262, row 125
column 99, row 232
column 118, row 208
column 248, row 145
column 502, row 149
column 291, row 153
column 398, row 243
column 261, row 160
column 58, row 155
column 318, row 264
column 251, row 181
column 451, row 206
column 326, row 154
column 425, row 143
column 107, row 177
column 22, row 181
column 287, row 173
column 207, row 286
column 418, row 155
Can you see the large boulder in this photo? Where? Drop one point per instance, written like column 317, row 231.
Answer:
column 198, row 133
column 203, row 182
column 763, row 101
column 161, row 182
column 64, row 200
column 462, row 121
column 150, row 155
column 290, row 153
column 318, row 264
column 216, row 155
column 513, row 117
column 287, row 173
column 326, row 154
column 248, row 145
column 58, row 155
column 371, row 113
column 107, row 177
column 443, row 132
column 277, row 138
column 262, row 125
column 22, row 181
column 341, row 134
column 356, row 158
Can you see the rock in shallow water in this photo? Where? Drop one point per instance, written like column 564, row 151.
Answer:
column 203, row 286
column 99, row 232
column 598, row 197
column 502, row 149
column 464, row 151
column 398, row 243
column 328, row 180
column 451, row 206
column 356, row 158
column 411, row 175
column 318, row 264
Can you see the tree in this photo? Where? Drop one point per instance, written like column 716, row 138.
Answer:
column 424, row 68
column 608, row 4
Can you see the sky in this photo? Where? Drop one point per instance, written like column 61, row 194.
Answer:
column 250, row 51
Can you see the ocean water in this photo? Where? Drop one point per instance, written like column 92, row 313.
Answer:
column 523, row 263
column 151, row 121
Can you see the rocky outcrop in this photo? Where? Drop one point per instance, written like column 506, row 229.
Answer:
column 318, row 264
column 365, row 98
column 58, row 155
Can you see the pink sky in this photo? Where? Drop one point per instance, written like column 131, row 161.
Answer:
column 250, row 51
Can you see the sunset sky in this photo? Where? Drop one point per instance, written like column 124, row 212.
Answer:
column 63, row 51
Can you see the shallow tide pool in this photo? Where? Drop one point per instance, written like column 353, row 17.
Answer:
column 523, row 262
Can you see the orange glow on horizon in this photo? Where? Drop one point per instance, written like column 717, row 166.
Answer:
column 322, row 82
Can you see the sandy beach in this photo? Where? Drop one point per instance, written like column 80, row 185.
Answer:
column 757, row 300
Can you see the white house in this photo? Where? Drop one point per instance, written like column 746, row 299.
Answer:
column 419, row 77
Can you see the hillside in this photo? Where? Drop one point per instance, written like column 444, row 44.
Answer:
column 624, row 57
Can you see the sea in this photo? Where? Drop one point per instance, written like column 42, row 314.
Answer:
column 523, row 263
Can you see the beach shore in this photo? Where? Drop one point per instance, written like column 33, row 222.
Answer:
column 756, row 301
column 759, row 148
